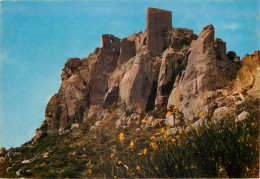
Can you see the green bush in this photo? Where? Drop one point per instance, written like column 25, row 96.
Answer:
column 226, row 149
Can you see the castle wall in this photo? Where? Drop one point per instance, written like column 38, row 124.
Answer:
column 158, row 21
column 110, row 43
column 127, row 50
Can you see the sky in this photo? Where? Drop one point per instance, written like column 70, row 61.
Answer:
column 37, row 37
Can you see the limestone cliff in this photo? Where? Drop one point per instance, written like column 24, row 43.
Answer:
column 164, row 83
column 161, row 66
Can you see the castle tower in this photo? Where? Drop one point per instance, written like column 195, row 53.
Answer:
column 158, row 21
column 110, row 43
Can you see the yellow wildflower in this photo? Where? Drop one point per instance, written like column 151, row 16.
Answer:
column 178, row 136
column 160, row 121
column 154, row 145
column 138, row 168
column 112, row 155
column 175, row 108
column 143, row 121
column 153, row 123
column 119, row 162
column 166, row 135
column 89, row 171
column 163, row 130
column 88, row 164
column 153, row 137
column 209, row 123
column 140, row 154
column 168, row 114
column 176, row 166
column 145, row 151
column 157, row 168
column 247, row 137
column 247, row 169
column 201, row 114
column 180, row 131
column 173, row 140
column 132, row 145
column 115, row 177
column 253, row 124
column 192, row 167
column 121, row 137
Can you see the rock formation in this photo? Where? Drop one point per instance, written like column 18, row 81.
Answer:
column 126, row 86
column 161, row 66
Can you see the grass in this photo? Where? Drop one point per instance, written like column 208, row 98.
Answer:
column 215, row 150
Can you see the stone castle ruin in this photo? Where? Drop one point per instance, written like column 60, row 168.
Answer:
column 159, row 67
column 158, row 22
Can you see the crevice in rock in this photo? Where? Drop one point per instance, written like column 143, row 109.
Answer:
column 152, row 96
column 166, row 89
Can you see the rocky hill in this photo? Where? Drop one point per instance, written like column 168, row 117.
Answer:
column 126, row 87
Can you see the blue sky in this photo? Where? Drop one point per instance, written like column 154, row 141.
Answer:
column 37, row 37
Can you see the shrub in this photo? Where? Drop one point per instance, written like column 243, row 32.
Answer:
column 224, row 149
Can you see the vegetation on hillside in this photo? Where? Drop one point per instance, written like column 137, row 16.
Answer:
column 216, row 149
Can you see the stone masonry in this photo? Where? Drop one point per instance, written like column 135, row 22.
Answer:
column 158, row 21
column 110, row 43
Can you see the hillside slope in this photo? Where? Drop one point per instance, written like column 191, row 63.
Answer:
column 156, row 83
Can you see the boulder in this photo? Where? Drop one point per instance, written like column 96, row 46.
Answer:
column 150, row 122
column 170, row 120
column 92, row 128
column 223, row 113
column 74, row 126
column 119, row 123
column 19, row 172
column 243, row 116
column 97, row 123
column 172, row 131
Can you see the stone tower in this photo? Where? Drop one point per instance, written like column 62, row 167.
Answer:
column 158, row 21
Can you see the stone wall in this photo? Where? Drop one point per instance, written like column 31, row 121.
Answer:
column 127, row 50
column 110, row 43
column 157, row 23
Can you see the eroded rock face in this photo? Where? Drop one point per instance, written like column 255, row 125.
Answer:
column 156, row 67
column 248, row 77
column 170, row 67
column 136, row 84
column 203, row 72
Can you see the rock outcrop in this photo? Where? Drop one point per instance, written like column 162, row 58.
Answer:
column 161, row 66
column 206, row 70
column 248, row 77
